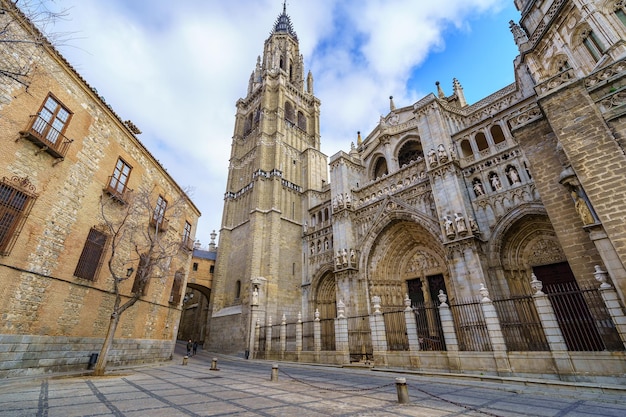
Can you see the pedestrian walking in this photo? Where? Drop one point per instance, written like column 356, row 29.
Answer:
column 195, row 347
column 189, row 347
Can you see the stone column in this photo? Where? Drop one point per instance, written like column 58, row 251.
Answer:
column 411, row 325
column 554, row 336
column 612, row 301
column 411, row 333
column 257, row 336
column 299, row 336
column 449, row 333
column 317, row 335
column 283, row 336
column 498, row 344
column 379, row 335
column 342, row 347
column 268, row 338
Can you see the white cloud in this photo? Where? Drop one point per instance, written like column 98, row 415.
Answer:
column 177, row 70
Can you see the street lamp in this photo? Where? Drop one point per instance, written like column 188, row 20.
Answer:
column 187, row 297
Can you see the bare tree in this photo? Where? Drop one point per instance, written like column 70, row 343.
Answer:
column 137, row 238
column 20, row 46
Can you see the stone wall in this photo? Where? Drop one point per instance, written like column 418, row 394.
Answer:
column 22, row 355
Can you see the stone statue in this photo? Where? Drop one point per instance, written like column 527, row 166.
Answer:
column 495, row 182
column 582, row 209
column 460, row 223
column 340, row 200
column 352, row 257
column 255, row 296
column 305, row 227
column 338, row 258
column 335, row 203
column 348, row 200
column 514, row 176
column 478, row 188
column 473, row 225
column 441, row 152
column 344, row 257
column 448, row 226
column 432, row 157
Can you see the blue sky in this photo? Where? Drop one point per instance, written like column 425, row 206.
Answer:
column 176, row 69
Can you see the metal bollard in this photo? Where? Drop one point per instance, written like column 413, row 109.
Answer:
column 403, row 391
column 214, row 365
column 185, row 360
column 274, row 377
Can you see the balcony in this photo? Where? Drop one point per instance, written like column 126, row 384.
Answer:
column 161, row 224
column 46, row 137
column 118, row 191
column 187, row 244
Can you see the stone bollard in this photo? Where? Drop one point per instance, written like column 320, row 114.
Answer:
column 403, row 391
column 185, row 360
column 214, row 365
column 274, row 377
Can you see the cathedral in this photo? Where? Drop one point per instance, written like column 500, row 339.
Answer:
column 485, row 237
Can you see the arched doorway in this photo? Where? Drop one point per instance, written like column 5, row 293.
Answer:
column 326, row 304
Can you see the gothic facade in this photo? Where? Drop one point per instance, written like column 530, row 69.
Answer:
column 442, row 198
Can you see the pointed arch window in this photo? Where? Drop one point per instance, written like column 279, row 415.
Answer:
column 289, row 112
column 380, row 168
column 410, row 151
column 301, row 121
column 620, row 11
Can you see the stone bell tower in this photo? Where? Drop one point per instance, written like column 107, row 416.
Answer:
column 275, row 164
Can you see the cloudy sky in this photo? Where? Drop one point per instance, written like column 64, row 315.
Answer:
column 176, row 69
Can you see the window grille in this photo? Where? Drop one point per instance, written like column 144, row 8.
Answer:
column 91, row 257
column 16, row 199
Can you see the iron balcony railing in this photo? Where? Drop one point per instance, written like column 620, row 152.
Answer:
column 117, row 190
column 46, row 136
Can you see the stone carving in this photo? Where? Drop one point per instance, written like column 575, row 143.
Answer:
column 495, row 182
column 305, row 227
column 344, row 257
column 352, row 257
column 601, row 276
column 442, row 298
column 514, row 176
column 473, row 225
column 461, row 227
column 432, row 157
column 582, row 209
column 335, row 206
column 348, row 200
column 441, row 153
column 338, row 258
column 341, row 309
column 449, row 227
column 535, row 284
column 340, row 200
column 376, row 302
column 484, row 293
column 255, row 296
column 478, row 188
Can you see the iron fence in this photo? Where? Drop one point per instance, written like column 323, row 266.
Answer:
column 308, row 337
column 583, row 317
column 359, row 338
column 429, row 330
column 395, row 329
column 471, row 329
column 520, row 324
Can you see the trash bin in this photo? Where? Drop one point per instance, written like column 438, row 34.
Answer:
column 92, row 361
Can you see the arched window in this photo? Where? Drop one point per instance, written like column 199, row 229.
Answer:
column 289, row 112
column 620, row 11
column 497, row 134
column 301, row 121
column 247, row 125
column 380, row 168
column 466, row 148
column 481, row 141
column 410, row 151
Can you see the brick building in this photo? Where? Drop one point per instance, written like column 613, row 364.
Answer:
column 444, row 207
column 69, row 163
